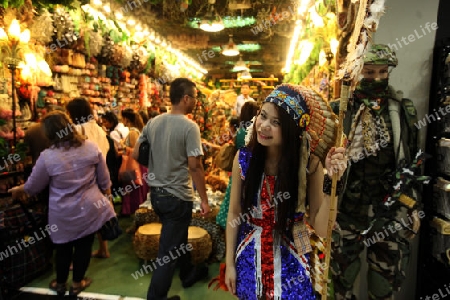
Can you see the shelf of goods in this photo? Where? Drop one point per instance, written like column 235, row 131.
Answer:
column 100, row 84
column 434, row 246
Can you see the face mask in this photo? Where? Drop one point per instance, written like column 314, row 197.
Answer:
column 372, row 85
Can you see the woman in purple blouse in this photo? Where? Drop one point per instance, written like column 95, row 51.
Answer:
column 79, row 205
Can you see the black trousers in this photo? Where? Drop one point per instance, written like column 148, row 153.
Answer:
column 175, row 215
column 78, row 251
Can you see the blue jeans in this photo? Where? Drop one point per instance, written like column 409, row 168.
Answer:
column 175, row 215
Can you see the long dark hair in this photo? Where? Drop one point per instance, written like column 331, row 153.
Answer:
column 134, row 118
column 248, row 111
column 111, row 118
column 287, row 174
column 80, row 110
column 60, row 131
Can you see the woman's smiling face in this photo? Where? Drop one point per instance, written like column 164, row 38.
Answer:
column 268, row 126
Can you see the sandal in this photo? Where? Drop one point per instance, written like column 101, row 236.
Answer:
column 59, row 288
column 98, row 254
column 74, row 291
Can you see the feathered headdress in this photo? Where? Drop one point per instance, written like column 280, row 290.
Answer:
column 309, row 111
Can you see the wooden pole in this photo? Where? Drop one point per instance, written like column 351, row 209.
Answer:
column 345, row 91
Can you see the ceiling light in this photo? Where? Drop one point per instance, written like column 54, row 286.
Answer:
column 211, row 25
column 334, row 44
column 211, row 21
column 306, row 48
column 239, row 4
column 246, row 75
column 240, row 65
column 230, row 49
column 322, row 58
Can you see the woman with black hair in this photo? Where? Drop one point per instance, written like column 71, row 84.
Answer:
column 82, row 116
column 274, row 178
column 132, row 200
column 117, row 131
column 248, row 111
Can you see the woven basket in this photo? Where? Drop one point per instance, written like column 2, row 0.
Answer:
column 201, row 243
column 211, row 217
column 144, row 216
column 146, row 242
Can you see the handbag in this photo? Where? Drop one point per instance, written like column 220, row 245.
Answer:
column 144, row 153
column 129, row 170
column 111, row 229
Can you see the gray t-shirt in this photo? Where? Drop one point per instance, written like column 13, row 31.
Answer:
column 172, row 138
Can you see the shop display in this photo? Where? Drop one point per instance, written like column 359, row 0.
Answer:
column 434, row 249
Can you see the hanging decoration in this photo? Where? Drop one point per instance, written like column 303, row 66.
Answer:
column 64, row 30
column 318, row 26
column 107, row 52
column 95, row 42
column 42, row 28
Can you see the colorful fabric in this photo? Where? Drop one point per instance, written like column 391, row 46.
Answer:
column 239, row 141
column 369, row 128
column 138, row 195
column 221, row 217
column 292, row 102
column 267, row 263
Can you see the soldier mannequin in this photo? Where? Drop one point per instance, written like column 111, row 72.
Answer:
column 380, row 130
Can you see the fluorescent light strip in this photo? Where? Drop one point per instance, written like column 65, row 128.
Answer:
column 294, row 40
column 153, row 37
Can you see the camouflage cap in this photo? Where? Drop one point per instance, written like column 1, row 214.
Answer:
column 380, row 54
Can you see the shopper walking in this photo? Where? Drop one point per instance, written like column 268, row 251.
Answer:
column 117, row 131
column 81, row 113
column 249, row 110
column 132, row 200
column 176, row 153
column 78, row 179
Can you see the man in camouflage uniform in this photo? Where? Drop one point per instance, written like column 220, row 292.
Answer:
column 380, row 130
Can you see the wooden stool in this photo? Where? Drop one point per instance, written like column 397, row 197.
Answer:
column 146, row 241
column 144, row 215
column 201, row 243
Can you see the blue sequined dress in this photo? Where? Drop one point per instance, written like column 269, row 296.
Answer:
column 267, row 264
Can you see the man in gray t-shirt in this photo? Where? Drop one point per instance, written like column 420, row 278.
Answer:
column 175, row 153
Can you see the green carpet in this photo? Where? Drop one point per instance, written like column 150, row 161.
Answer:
column 113, row 276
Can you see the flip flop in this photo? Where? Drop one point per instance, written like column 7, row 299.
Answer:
column 86, row 282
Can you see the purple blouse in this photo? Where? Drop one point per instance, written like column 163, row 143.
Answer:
column 75, row 177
